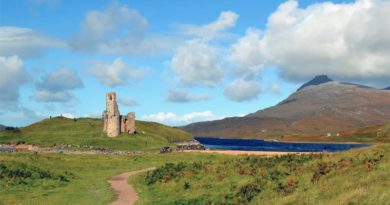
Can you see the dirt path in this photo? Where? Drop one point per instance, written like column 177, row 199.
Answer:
column 126, row 193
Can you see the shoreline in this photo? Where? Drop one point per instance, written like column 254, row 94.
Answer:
column 242, row 152
column 287, row 141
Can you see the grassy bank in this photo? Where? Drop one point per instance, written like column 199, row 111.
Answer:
column 27, row 178
column 88, row 131
column 359, row 176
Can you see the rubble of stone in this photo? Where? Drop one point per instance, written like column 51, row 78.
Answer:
column 166, row 150
column 113, row 122
column 66, row 149
column 192, row 145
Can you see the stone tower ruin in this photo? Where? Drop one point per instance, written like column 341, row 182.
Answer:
column 113, row 122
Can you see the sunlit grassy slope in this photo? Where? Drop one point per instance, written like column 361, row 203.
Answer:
column 359, row 176
column 88, row 131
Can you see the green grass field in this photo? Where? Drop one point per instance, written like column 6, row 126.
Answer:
column 88, row 131
column 359, row 176
column 87, row 175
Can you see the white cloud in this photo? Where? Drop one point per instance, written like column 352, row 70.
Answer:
column 246, row 53
column 348, row 41
column 181, row 96
column 68, row 115
column 242, row 90
column 226, row 20
column 173, row 119
column 56, row 86
column 197, row 63
column 25, row 42
column 118, row 30
column 117, row 73
column 12, row 77
column 125, row 101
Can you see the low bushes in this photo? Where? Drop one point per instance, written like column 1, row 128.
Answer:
column 20, row 173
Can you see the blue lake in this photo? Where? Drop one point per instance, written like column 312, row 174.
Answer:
column 261, row 145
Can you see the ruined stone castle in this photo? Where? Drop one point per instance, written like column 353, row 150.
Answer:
column 113, row 122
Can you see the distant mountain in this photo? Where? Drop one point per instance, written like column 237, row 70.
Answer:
column 321, row 107
column 318, row 80
column 388, row 88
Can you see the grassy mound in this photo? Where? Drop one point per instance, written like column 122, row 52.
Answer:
column 88, row 131
column 359, row 176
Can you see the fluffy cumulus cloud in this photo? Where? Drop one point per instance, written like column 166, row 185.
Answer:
column 246, row 54
column 197, row 63
column 242, row 90
column 117, row 73
column 181, row 96
column 173, row 119
column 226, row 20
column 57, row 86
column 12, row 77
column 25, row 42
column 68, row 115
column 118, row 30
column 348, row 41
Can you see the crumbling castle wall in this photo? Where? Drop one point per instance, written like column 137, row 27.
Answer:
column 128, row 123
column 113, row 122
column 113, row 116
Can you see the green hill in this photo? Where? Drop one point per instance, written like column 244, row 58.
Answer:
column 88, row 131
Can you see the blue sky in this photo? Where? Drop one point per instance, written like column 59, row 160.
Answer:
column 178, row 62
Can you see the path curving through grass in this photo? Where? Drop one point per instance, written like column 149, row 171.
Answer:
column 126, row 193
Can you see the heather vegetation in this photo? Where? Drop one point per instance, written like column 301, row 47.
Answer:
column 352, row 177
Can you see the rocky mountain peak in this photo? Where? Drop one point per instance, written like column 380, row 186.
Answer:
column 318, row 80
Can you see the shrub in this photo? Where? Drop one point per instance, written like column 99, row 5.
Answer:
column 187, row 185
column 165, row 173
column 287, row 188
column 323, row 168
column 247, row 192
column 20, row 173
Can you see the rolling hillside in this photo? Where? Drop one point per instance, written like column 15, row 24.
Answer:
column 88, row 131
column 320, row 108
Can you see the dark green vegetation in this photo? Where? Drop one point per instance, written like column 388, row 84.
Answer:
column 27, row 178
column 12, row 174
column 88, row 131
column 359, row 176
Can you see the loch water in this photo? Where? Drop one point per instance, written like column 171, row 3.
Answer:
column 261, row 145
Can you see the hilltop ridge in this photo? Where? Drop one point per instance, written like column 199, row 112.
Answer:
column 88, row 132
